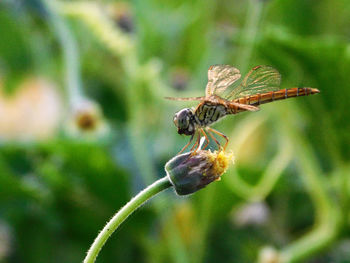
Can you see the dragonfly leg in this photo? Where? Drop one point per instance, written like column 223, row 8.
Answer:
column 196, row 145
column 212, row 136
column 206, row 139
column 184, row 148
column 220, row 134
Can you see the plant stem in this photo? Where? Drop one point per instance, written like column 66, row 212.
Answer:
column 70, row 52
column 328, row 216
column 122, row 214
column 206, row 215
column 124, row 47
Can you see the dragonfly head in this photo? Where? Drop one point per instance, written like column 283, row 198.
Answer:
column 183, row 120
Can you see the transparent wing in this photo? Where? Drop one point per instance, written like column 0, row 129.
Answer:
column 260, row 79
column 185, row 99
column 245, row 106
column 219, row 78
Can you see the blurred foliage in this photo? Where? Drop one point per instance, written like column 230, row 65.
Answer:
column 292, row 157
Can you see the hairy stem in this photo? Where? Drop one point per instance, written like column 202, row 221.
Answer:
column 122, row 214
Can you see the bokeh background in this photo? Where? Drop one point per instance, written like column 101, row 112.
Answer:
column 84, row 127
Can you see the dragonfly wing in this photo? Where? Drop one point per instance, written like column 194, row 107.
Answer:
column 185, row 99
column 219, row 78
column 245, row 106
column 260, row 79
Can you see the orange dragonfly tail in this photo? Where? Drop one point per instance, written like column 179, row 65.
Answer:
column 262, row 98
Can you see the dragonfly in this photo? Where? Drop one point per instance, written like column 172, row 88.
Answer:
column 225, row 95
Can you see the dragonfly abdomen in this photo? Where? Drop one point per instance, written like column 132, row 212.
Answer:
column 282, row 94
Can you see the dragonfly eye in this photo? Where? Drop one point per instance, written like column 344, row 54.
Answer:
column 182, row 120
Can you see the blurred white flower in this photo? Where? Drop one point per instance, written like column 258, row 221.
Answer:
column 251, row 214
column 269, row 255
column 32, row 113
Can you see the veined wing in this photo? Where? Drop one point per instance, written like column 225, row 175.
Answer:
column 260, row 79
column 245, row 106
column 219, row 78
column 185, row 99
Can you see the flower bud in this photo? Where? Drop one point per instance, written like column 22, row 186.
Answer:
column 190, row 172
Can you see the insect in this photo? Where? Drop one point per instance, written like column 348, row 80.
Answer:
column 224, row 95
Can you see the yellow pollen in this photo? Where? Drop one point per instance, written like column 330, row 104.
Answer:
column 220, row 160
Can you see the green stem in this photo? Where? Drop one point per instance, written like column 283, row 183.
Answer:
column 122, row 214
column 273, row 171
column 124, row 48
column 328, row 218
column 268, row 179
column 206, row 215
column 69, row 51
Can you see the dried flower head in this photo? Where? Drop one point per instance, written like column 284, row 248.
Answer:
column 121, row 13
column 180, row 78
column 86, row 118
column 190, row 172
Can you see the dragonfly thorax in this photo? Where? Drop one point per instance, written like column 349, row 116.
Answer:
column 185, row 122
